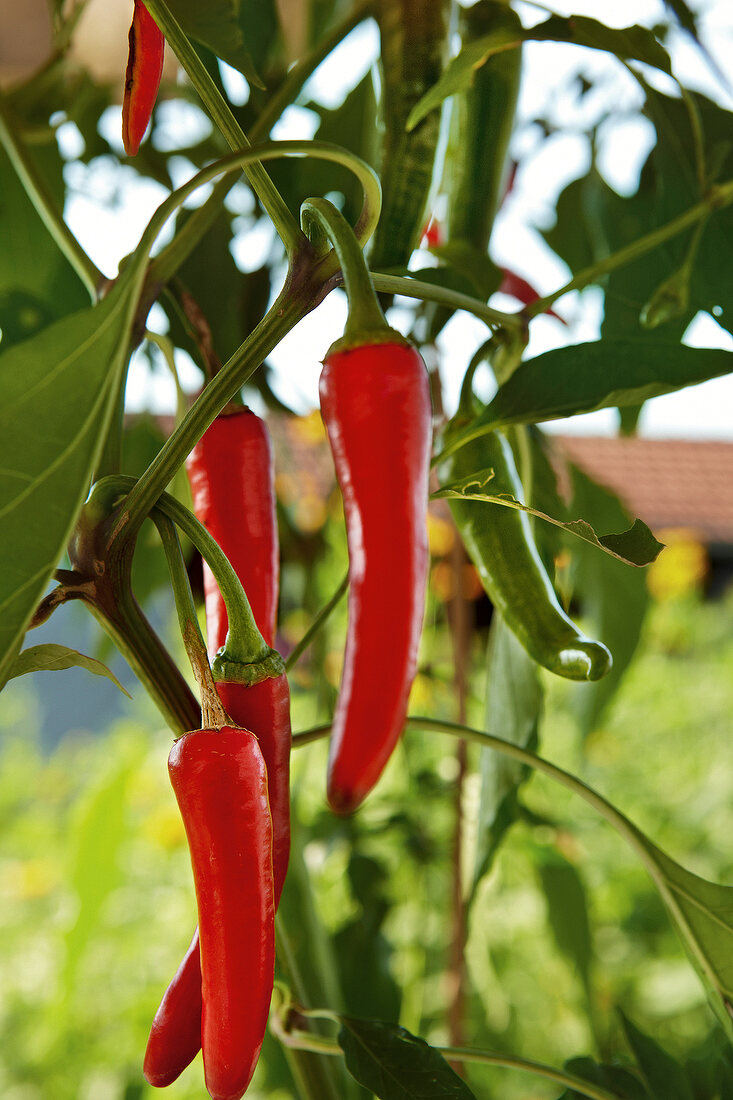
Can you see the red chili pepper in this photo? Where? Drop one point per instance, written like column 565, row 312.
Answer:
column 220, row 782
column 142, row 79
column 375, row 402
column 231, row 476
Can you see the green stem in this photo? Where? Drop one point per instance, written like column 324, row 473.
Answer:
column 153, row 665
column 285, row 312
column 428, row 292
column 245, row 656
column 623, row 826
column 506, row 1061
column 170, row 259
column 317, row 623
column 213, row 714
column 203, row 217
column 720, row 195
column 230, row 129
column 45, row 205
column 322, row 222
column 303, row 1040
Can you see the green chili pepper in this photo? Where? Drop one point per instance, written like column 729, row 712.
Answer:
column 500, row 544
column 481, row 126
column 414, row 36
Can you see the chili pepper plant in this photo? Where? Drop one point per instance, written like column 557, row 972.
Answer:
column 477, row 567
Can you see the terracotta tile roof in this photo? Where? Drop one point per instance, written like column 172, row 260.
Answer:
column 665, row 482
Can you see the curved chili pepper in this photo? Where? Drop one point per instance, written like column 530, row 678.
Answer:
column 500, row 544
column 375, row 402
column 220, row 781
column 231, row 475
column 414, row 40
column 142, row 79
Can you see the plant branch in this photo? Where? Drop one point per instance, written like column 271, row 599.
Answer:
column 718, row 196
column 203, row 217
column 429, row 292
column 323, row 223
column 45, row 205
column 317, row 623
column 213, row 714
column 230, row 129
column 304, row 1040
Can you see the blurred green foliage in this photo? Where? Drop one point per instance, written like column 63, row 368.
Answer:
column 97, row 904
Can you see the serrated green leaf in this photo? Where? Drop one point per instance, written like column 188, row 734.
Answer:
column 57, row 391
column 598, row 375
column 630, row 43
column 216, row 24
column 53, row 658
column 514, row 711
column 636, row 546
column 397, row 1065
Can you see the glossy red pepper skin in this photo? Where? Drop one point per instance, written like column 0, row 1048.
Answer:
column 232, row 482
column 142, row 79
column 220, row 781
column 175, row 1037
column 375, row 402
column 231, row 472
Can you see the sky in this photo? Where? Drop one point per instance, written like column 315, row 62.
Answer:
column 705, row 411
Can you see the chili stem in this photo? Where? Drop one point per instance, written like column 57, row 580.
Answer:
column 317, row 623
column 322, row 221
column 225, row 121
column 45, row 205
column 428, row 292
column 245, row 656
column 212, row 712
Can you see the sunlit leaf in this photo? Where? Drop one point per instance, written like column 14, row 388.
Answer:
column 630, row 43
column 584, row 377
column 216, row 24
column 53, row 658
column 397, row 1065
column 57, row 391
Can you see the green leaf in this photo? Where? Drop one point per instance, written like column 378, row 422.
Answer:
column 636, row 546
column 703, row 914
column 370, row 991
column 513, row 711
column 52, row 658
column 630, row 43
column 567, row 910
column 57, row 391
column 664, row 1075
column 396, row 1065
column 614, row 599
column 37, row 283
column 618, row 1080
column 585, row 377
column 216, row 24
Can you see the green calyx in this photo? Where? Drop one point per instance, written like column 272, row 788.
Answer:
column 228, row 669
